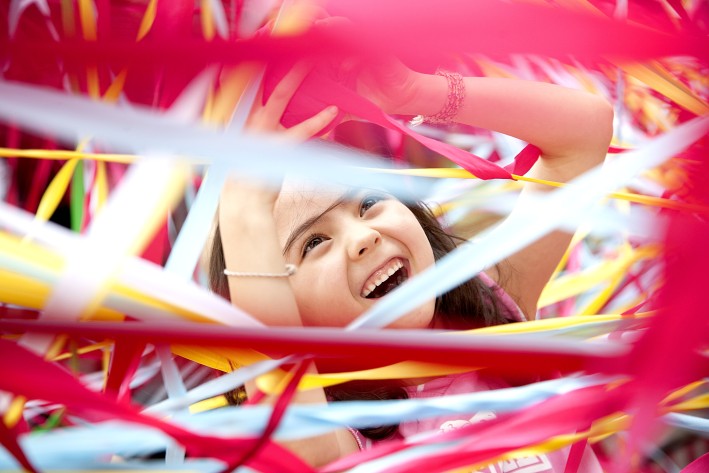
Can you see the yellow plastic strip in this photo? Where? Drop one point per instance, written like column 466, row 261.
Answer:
column 685, row 390
column 490, row 69
column 55, row 191
column 114, row 90
column 64, row 155
column 207, row 20
column 221, row 112
column 87, row 15
column 222, row 359
column 26, row 291
column 101, row 186
column 148, row 19
column 661, row 80
column 208, row 104
column 147, row 300
column 574, row 5
column 92, row 82
column 600, row 300
column 233, row 83
column 454, row 173
column 696, row 403
column 269, row 383
column 146, row 23
column 463, row 174
column 659, row 202
column 558, row 323
column 208, row 404
column 575, row 240
column 84, row 350
column 22, row 291
column 401, row 370
column 105, row 364
column 574, row 284
column 167, row 201
column 630, row 197
column 294, row 18
column 227, row 360
column 586, row 83
column 13, row 414
column 39, row 256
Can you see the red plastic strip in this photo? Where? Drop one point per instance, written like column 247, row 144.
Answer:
column 486, row 440
column 681, row 327
column 34, row 378
column 125, row 360
column 364, row 348
column 8, row 439
column 575, row 454
column 700, row 465
column 279, row 409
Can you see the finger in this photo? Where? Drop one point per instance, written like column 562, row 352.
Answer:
column 285, row 89
column 311, row 126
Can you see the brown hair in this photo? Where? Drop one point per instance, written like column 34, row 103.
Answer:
column 472, row 304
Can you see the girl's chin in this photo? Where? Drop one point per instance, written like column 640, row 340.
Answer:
column 419, row 319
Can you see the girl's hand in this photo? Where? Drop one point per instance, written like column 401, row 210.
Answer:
column 382, row 79
column 267, row 117
column 389, row 84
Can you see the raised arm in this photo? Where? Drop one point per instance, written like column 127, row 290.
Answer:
column 572, row 128
column 248, row 239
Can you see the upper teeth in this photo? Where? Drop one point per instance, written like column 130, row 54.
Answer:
column 383, row 275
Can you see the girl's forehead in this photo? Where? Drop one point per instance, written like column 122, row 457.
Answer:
column 299, row 201
column 301, row 193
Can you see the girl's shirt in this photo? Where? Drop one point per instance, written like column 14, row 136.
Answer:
column 552, row 462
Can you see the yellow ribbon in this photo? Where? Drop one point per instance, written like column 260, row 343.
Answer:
column 656, row 76
column 457, row 173
column 614, row 270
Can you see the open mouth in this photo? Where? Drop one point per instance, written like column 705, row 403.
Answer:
column 388, row 278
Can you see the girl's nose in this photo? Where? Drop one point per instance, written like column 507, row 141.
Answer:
column 362, row 241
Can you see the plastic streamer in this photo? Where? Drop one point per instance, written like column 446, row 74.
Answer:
column 162, row 90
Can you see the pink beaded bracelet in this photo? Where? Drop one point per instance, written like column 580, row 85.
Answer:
column 456, row 95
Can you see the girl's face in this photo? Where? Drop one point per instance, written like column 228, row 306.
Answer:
column 352, row 247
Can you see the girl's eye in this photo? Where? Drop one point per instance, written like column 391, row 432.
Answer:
column 368, row 202
column 312, row 242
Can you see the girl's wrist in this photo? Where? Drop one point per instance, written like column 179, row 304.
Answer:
column 241, row 226
column 429, row 95
column 246, row 208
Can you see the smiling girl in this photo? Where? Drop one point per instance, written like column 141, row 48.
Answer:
column 313, row 256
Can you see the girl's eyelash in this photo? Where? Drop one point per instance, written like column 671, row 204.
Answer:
column 309, row 241
column 369, row 197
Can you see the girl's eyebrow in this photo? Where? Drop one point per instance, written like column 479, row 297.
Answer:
column 303, row 227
